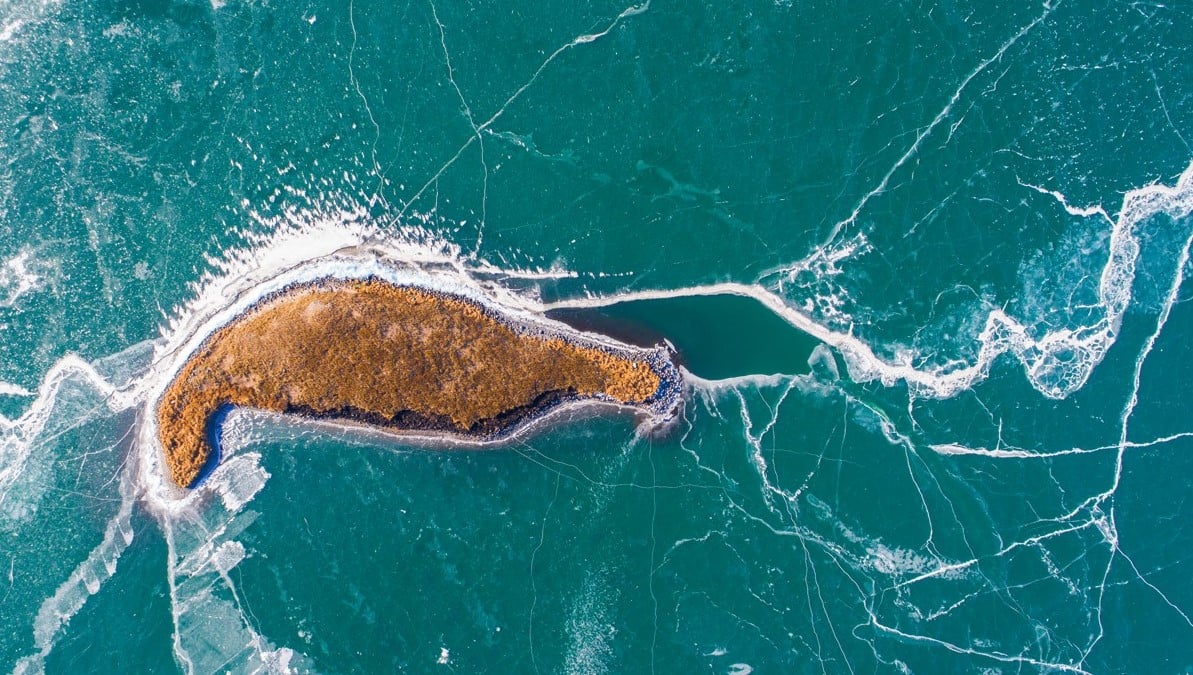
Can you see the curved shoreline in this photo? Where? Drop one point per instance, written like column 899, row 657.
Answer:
column 253, row 421
column 327, row 348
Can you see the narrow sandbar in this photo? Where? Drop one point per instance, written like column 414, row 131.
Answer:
column 399, row 358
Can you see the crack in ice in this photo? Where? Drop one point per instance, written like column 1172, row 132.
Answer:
column 927, row 130
column 633, row 10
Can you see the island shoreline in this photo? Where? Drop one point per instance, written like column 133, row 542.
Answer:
column 660, row 405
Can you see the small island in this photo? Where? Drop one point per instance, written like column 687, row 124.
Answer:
column 398, row 358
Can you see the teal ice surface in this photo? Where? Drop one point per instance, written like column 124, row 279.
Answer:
column 897, row 173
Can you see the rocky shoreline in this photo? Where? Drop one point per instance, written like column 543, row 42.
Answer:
column 398, row 358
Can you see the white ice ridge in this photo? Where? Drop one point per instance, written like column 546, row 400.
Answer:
column 1057, row 362
column 1023, row 453
column 213, row 631
column 18, row 438
column 18, row 276
column 10, row 389
column 17, row 15
column 10, row 29
column 86, row 580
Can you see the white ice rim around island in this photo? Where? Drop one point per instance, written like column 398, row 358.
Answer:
column 241, row 294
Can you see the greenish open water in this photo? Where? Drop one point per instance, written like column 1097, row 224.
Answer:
column 926, row 263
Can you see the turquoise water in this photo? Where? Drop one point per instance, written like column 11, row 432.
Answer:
column 925, row 263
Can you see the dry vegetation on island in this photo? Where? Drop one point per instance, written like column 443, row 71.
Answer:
column 389, row 356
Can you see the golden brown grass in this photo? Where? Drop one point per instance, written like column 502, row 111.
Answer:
column 395, row 357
